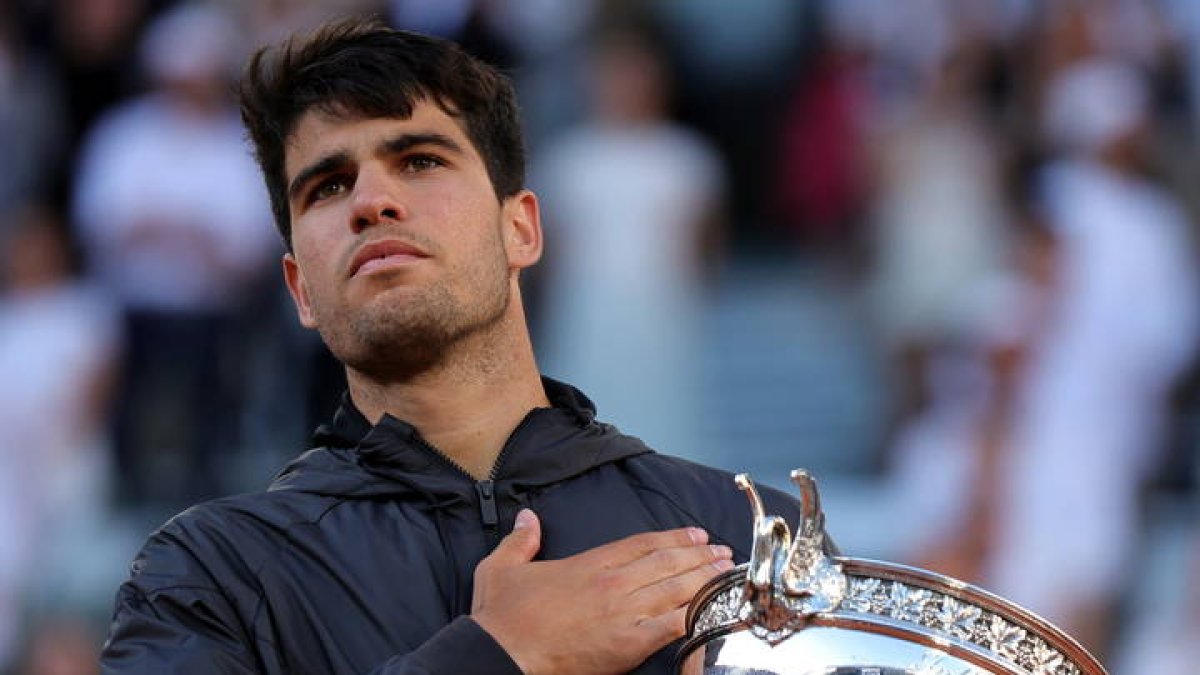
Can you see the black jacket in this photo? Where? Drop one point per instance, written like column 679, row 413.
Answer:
column 360, row 556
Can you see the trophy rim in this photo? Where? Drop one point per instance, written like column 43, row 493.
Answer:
column 910, row 631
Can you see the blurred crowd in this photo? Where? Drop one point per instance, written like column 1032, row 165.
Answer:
column 1006, row 186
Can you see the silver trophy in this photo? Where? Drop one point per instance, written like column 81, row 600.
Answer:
column 796, row 609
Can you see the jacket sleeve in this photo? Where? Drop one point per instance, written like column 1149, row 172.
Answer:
column 180, row 632
column 461, row 647
column 174, row 631
column 173, row 618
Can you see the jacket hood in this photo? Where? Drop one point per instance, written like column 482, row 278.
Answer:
column 352, row 458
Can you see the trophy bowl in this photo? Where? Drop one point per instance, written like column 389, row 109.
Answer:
column 796, row 608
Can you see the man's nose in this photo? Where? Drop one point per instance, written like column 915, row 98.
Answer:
column 375, row 200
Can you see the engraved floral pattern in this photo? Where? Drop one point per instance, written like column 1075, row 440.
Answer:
column 909, row 604
column 864, row 592
column 958, row 618
column 821, row 585
column 1005, row 638
column 723, row 610
column 935, row 612
column 1046, row 660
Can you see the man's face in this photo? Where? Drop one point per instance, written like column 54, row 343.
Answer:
column 400, row 246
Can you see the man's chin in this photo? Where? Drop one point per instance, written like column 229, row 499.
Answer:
column 398, row 361
column 393, row 342
column 377, row 295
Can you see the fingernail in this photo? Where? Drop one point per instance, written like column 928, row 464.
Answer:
column 723, row 565
column 720, row 551
column 524, row 519
column 697, row 535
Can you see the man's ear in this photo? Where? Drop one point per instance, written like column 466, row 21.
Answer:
column 522, row 230
column 294, row 279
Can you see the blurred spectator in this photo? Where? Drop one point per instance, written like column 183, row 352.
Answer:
column 730, row 57
column 946, row 457
column 269, row 21
column 546, row 44
column 1165, row 642
column 821, row 183
column 93, row 43
column 62, row 646
column 467, row 22
column 175, row 221
column 911, row 41
column 30, row 118
column 58, row 342
column 939, row 218
column 1089, row 425
column 633, row 201
column 1183, row 20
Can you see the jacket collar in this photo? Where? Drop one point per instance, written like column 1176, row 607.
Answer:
column 549, row 445
column 349, row 427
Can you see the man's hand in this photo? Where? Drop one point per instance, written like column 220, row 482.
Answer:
column 599, row 612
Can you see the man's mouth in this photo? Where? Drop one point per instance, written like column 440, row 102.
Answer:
column 384, row 254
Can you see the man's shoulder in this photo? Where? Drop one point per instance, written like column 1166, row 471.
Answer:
column 223, row 539
column 680, row 475
column 259, row 509
column 707, row 496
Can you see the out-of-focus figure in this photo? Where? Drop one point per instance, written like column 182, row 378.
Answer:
column 820, row 186
column 58, row 343
column 633, row 202
column 1089, row 423
column 93, row 51
column 61, row 646
column 1164, row 641
column 30, row 117
column 939, row 221
column 946, row 457
column 176, row 226
column 730, row 57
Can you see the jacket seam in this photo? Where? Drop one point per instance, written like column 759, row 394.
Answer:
column 260, row 601
column 158, row 590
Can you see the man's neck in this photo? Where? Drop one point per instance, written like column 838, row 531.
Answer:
column 466, row 410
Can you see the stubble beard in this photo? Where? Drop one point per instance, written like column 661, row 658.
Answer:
column 399, row 341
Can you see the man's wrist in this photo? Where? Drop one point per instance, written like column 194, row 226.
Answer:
column 462, row 646
column 525, row 660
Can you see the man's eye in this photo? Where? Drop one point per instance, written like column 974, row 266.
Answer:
column 422, row 162
column 327, row 189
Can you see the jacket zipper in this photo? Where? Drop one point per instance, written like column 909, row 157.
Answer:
column 486, row 489
column 489, row 512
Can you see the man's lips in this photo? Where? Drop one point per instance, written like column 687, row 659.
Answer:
column 384, row 253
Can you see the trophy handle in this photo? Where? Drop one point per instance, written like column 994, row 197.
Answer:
column 763, row 591
column 812, row 518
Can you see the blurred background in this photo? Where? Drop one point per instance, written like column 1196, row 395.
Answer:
column 940, row 252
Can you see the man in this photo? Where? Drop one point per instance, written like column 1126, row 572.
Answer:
column 406, row 541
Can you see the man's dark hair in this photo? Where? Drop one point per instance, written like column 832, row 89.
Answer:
column 362, row 68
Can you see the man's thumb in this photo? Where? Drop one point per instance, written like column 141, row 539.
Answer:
column 522, row 543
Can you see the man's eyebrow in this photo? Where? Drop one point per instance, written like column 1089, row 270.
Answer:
column 324, row 165
column 405, row 142
column 391, row 146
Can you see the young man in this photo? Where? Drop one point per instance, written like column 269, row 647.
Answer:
column 460, row 514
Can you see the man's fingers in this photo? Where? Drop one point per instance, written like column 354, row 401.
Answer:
column 639, row 545
column 520, row 545
column 675, row 591
column 669, row 562
column 661, row 629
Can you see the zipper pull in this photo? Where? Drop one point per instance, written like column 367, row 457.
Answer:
column 487, row 503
